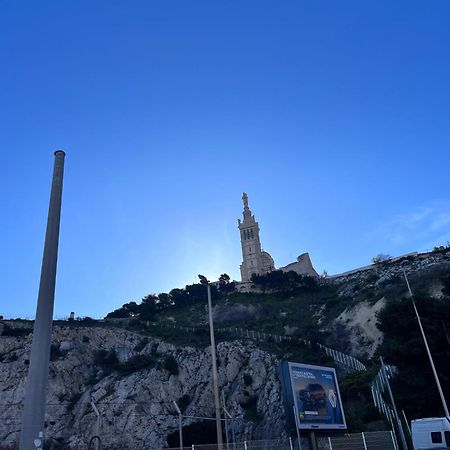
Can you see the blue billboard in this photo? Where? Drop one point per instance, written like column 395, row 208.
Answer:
column 314, row 394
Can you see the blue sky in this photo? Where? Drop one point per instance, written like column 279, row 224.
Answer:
column 333, row 116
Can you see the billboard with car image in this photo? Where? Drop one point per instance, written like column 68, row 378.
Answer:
column 316, row 397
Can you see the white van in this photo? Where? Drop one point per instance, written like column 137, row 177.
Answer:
column 431, row 434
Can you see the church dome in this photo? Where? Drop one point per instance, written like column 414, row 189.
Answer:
column 267, row 263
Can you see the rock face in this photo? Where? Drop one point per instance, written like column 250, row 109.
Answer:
column 136, row 404
column 360, row 321
column 375, row 285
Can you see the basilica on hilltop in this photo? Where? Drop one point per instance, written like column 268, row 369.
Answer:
column 254, row 259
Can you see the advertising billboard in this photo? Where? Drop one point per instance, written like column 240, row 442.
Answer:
column 316, row 397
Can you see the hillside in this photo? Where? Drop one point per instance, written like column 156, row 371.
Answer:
column 144, row 356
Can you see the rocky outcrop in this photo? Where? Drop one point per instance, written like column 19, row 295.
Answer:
column 136, row 403
column 360, row 322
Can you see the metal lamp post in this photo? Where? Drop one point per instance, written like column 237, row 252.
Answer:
column 205, row 282
column 444, row 403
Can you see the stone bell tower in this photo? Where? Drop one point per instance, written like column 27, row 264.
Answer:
column 254, row 261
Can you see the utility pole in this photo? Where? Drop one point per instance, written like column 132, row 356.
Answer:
column 215, row 377
column 394, row 407
column 180, row 424
column 226, row 416
column 297, row 427
column 436, row 378
column 32, row 434
column 97, row 425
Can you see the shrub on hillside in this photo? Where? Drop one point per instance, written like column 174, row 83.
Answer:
column 170, row 364
column 381, row 258
column 285, row 282
column 106, row 360
column 135, row 363
column 10, row 331
column 141, row 344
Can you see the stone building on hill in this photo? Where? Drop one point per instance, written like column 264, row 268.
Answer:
column 254, row 259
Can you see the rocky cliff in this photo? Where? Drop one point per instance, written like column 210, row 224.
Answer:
column 134, row 393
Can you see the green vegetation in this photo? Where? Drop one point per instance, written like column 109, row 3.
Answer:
column 248, row 380
column 285, row 282
column 56, row 353
column 73, row 401
column 141, row 344
column 250, row 407
column 135, row 363
column 109, row 362
column 183, row 402
column 414, row 387
column 442, row 248
column 381, row 258
column 15, row 331
column 306, row 309
column 170, row 364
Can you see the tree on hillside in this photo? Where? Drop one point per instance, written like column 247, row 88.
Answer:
column 225, row 284
column 381, row 258
column 164, row 301
column 147, row 308
column 130, row 309
column 179, row 297
column 403, row 346
column 284, row 282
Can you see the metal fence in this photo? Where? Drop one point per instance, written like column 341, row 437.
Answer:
column 344, row 360
column 378, row 387
column 376, row 440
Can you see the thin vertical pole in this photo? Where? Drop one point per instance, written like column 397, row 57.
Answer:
column 407, row 423
column 226, row 420
column 36, row 385
column 364, row 441
column 394, row 440
column 329, row 443
column 438, row 384
column 394, row 407
column 214, row 370
column 180, row 430
column 297, row 428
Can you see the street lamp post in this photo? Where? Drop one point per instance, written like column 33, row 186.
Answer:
column 444, row 403
column 215, row 378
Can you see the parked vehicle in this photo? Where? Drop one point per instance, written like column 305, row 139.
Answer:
column 431, row 434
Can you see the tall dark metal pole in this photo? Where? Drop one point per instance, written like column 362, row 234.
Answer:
column 32, row 435
column 425, row 341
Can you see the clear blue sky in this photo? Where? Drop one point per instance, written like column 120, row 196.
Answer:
column 334, row 116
